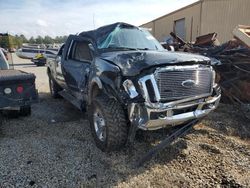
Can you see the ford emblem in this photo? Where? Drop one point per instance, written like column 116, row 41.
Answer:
column 188, row 83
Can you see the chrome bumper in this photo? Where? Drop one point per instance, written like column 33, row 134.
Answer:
column 169, row 113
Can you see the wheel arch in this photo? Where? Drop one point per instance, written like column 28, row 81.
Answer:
column 96, row 86
column 104, row 86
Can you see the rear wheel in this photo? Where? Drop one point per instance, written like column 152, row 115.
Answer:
column 54, row 88
column 108, row 123
column 11, row 113
column 25, row 110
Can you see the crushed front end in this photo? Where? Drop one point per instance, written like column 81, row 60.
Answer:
column 172, row 95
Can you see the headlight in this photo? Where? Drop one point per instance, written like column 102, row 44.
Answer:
column 214, row 75
column 216, row 78
column 130, row 88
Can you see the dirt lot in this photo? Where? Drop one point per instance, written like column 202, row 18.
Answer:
column 54, row 148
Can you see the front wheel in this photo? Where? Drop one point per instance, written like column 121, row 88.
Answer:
column 108, row 123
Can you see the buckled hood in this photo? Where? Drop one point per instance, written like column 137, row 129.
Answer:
column 132, row 63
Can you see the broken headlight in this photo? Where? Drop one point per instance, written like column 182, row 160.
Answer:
column 130, row 88
column 214, row 78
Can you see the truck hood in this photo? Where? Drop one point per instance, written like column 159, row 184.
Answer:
column 133, row 62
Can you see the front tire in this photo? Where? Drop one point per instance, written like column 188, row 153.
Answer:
column 108, row 123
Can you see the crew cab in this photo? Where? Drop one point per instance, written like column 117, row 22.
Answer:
column 122, row 77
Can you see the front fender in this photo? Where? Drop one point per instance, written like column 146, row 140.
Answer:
column 106, row 86
column 95, row 82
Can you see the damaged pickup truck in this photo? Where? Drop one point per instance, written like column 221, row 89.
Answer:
column 124, row 78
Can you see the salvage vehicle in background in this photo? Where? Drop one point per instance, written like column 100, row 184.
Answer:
column 126, row 81
column 17, row 90
column 39, row 59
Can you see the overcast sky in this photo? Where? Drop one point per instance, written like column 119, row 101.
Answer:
column 62, row 17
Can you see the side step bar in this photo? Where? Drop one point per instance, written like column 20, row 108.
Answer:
column 66, row 95
column 166, row 142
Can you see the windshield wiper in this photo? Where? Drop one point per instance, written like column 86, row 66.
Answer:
column 142, row 48
column 123, row 48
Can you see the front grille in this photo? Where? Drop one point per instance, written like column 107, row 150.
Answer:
column 183, row 83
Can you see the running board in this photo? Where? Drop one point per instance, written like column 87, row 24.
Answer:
column 166, row 142
column 66, row 95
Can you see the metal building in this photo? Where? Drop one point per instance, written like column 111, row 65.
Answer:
column 203, row 17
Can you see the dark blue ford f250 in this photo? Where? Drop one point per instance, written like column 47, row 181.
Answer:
column 123, row 77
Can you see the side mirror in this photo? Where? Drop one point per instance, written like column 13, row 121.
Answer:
column 91, row 47
column 171, row 48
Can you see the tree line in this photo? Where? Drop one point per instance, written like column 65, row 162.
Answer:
column 16, row 41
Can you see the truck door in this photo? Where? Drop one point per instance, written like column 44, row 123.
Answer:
column 76, row 64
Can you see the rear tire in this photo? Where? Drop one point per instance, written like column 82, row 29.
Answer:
column 10, row 113
column 25, row 110
column 54, row 88
column 110, row 116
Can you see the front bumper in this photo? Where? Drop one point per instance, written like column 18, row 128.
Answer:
column 158, row 115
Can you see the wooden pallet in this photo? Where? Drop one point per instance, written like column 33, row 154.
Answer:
column 242, row 33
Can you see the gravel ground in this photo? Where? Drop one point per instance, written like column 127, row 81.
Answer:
column 54, row 148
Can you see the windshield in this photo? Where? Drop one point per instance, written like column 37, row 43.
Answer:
column 129, row 38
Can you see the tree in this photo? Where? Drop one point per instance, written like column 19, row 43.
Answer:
column 32, row 40
column 9, row 41
column 60, row 39
column 48, row 40
column 4, row 42
column 39, row 39
column 23, row 38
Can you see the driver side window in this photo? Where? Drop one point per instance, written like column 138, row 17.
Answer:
column 80, row 51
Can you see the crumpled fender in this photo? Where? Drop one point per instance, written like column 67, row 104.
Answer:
column 107, row 86
column 108, row 79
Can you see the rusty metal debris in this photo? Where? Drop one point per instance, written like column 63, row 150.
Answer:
column 231, row 62
column 208, row 39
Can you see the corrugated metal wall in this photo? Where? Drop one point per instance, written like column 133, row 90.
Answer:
column 149, row 25
column 165, row 25
column 222, row 16
column 161, row 27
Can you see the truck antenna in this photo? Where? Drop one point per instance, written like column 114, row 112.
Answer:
column 94, row 20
